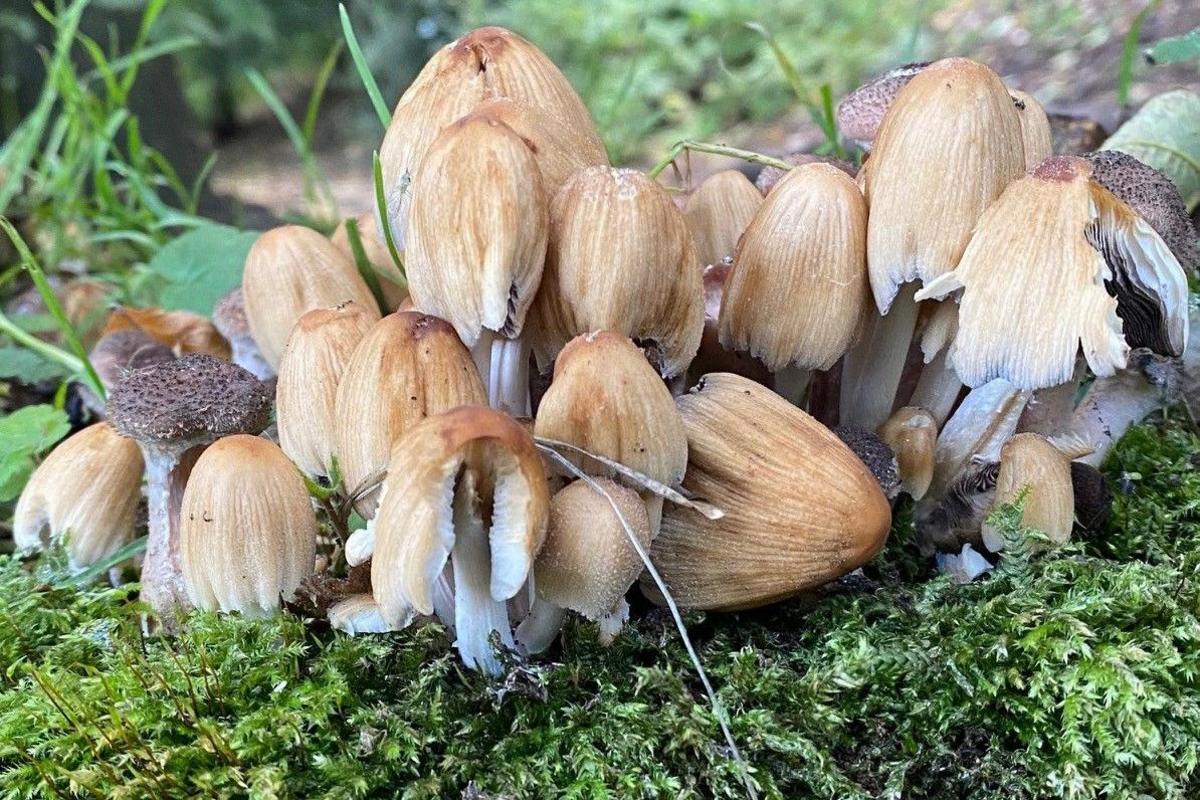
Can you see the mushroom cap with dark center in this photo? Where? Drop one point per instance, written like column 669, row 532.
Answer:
column 1153, row 196
column 229, row 315
column 187, row 401
column 875, row 453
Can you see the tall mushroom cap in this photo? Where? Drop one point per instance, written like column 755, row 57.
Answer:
column 407, row 367
column 247, row 528
column 229, row 318
column 290, row 270
column 87, row 490
column 800, row 509
column 393, row 284
column 861, row 112
column 1059, row 263
column 317, row 352
column 477, row 228
column 484, row 64
column 948, row 146
column 620, row 258
column 1035, row 128
column 718, row 211
column 1033, row 469
column 912, row 434
column 588, row 563
column 798, row 289
column 1153, row 196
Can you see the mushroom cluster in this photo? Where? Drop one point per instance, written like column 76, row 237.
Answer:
column 576, row 383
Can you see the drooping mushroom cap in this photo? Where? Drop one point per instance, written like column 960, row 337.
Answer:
column 769, row 176
column 620, row 258
column 1035, row 128
column 1056, row 264
column 484, row 64
column 948, row 146
column 290, row 270
column 717, row 213
column 247, row 528
column 392, row 282
column 1093, row 497
column 317, row 352
column 229, row 315
column 607, row 399
column 912, row 434
column 1034, row 469
column 415, row 525
column 408, row 366
column 861, row 112
column 477, row 228
column 86, row 489
column 193, row 400
column 588, row 563
column 800, row 509
column 1153, row 196
column 798, row 289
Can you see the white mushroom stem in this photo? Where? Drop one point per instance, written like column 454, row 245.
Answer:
column 1114, row 405
column 476, row 613
column 167, row 471
column 245, row 354
column 612, row 622
column 791, row 383
column 540, row 627
column 937, row 389
column 503, row 364
column 1049, row 410
column 872, row 368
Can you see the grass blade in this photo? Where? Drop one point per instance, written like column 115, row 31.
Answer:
column 1129, row 50
column 364, row 265
column 318, row 90
column 102, row 566
column 364, row 71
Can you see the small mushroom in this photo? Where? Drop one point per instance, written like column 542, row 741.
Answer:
column 1035, row 128
column 247, row 532
column 1034, row 470
column 173, row 410
column 912, row 434
column 85, row 491
column 876, row 454
column 114, row 354
column 718, row 211
column 861, row 112
column 229, row 318
column 769, row 176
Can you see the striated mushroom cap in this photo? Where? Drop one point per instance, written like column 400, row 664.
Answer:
column 1034, row 469
column 247, row 528
column 768, row 177
column 477, row 228
column 620, row 258
column 798, row 289
column 861, row 112
column 718, row 211
column 800, row 509
column 87, row 490
column 392, row 283
column 1035, row 128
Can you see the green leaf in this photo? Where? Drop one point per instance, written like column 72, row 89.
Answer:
column 25, row 434
column 1175, row 49
column 200, row 266
column 1165, row 133
column 27, row 366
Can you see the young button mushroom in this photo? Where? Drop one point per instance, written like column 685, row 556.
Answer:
column 587, row 562
column 173, row 410
column 606, row 398
column 1034, row 469
column 466, row 487
column 393, row 285
column 477, row 245
column 798, row 288
column 247, row 531
column 1035, row 128
column 113, row 355
column 407, row 367
column 800, row 509
column 912, row 434
column 290, row 270
column 861, row 112
column 620, row 258
column 484, row 64
column 229, row 318
column 86, row 490
column 948, row 146
column 718, row 211
column 317, row 352
column 1058, row 264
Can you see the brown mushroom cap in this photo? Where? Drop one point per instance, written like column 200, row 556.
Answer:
column 769, row 176
column 229, row 315
column 877, row 454
column 861, row 112
column 116, row 353
column 718, row 211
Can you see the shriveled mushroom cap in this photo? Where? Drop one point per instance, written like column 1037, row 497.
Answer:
column 191, row 400
column 1035, row 128
column 861, row 112
column 718, row 211
column 798, row 289
column 181, row 331
column 477, row 228
column 588, row 563
column 620, row 258
column 800, row 509
column 1034, row 469
column 948, row 146
column 876, row 454
column 770, row 176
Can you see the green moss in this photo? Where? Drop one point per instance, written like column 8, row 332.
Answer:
column 1068, row 675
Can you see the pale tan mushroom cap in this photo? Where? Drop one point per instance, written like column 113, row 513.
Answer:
column 860, row 113
column 912, row 434
column 588, row 563
column 247, row 528
column 718, row 211
column 799, row 286
column 391, row 281
column 477, row 228
column 1035, row 128
column 1033, row 468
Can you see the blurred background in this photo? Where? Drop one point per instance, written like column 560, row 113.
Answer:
column 652, row 71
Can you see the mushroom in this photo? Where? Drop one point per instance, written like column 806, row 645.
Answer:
column 477, row 245
column 86, row 492
column 1114, row 404
column 620, row 258
column 606, row 398
column 465, row 487
column 394, row 285
column 316, row 353
column 712, row 357
column 114, row 354
column 1034, row 471
column 912, row 434
column 173, row 410
column 290, row 270
column 587, row 562
column 718, row 211
column 949, row 144
column 247, row 531
column 1058, row 264
column 181, row 331
column 798, row 287
column 861, row 112
column 229, row 318
column 407, row 367
column 484, row 64
column 769, row 176
column 938, row 385
column 358, row 613
column 1035, row 128
column 800, row 509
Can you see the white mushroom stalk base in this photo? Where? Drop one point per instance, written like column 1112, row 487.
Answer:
column 541, row 626
column 162, row 577
column 504, row 366
column 477, row 614
column 1114, row 405
column 873, row 367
